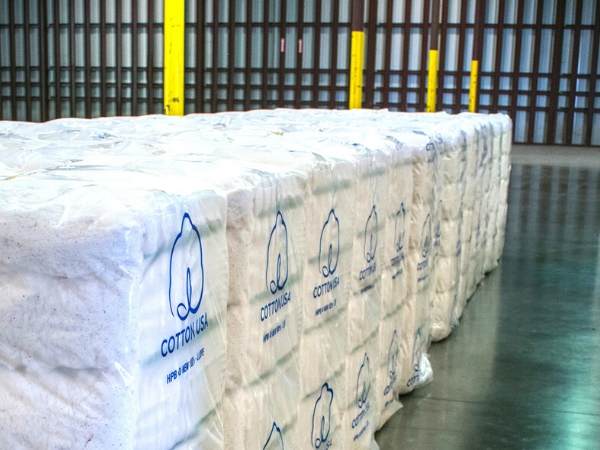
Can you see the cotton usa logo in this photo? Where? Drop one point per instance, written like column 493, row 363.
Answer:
column 186, row 271
column 321, row 420
column 329, row 245
column 276, row 273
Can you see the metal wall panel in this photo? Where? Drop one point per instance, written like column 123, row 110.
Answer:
column 79, row 58
column 88, row 58
column 248, row 54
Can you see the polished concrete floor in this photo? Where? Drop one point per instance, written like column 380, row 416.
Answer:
column 523, row 369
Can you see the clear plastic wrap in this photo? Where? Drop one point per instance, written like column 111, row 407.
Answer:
column 270, row 279
column 114, row 307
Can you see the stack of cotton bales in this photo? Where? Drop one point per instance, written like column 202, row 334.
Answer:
column 358, row 401
column 486, row 207
column 403, row 321
column 266, row 223
column 325, row 299
column 392, row 355
column 326, row 396
column 482, row 208
column 321, row 399
column 372, row 249
column 452, row 165
column 468, row 219
column 313, row 256
column 398, row 315
column 266, row 246
column 493, row 205
column 421, row 256
column 388, row 245
column 327, row 302
column 449, row 169
column 412, row 318
column 379, row 269
column 327, row 329
column 114, row 299
column 502, row 131
column 265, row 232
column 419, row 265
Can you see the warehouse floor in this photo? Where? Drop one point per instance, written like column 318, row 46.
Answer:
column 523, row 368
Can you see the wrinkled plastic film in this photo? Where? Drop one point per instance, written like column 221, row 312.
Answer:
column 272, row 279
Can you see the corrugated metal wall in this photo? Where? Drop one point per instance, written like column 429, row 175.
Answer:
column 87, row 58
column 79, row 58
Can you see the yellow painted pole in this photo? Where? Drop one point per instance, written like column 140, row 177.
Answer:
column 356, row 69
column 357, row 55
column 174, row 57
column 474, row 82
column 432, row 81
column 432, row 69
column 477, row 37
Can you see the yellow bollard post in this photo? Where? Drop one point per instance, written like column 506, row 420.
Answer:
column 357, row 55
column 432, row 81
column 432, row 69
column 473, row 85
column 477, row 37
column 174, row 57
column 356, row 69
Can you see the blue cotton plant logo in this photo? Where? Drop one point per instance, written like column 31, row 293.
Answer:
column 275, row 439
column 277, row 256
column 321, row 420
column 276, row 277
column 186, row 271
column 329, row 255
column 186, row 288
column 363, row 383
column 399, row 228
column 393, row 358
column 370, row 245
column 416, row 358
column 426, row 237
column 329, row 245
column 399, row 236
column 426, row 246
column 360, row 423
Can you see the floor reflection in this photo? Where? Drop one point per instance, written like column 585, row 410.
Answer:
column 522, row 370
